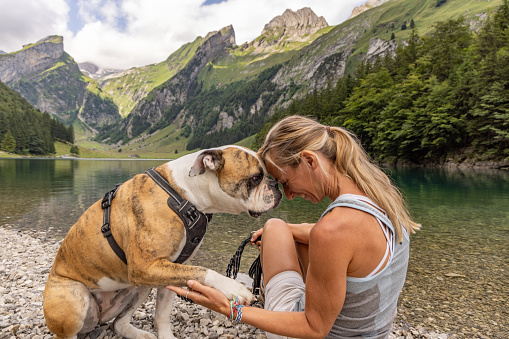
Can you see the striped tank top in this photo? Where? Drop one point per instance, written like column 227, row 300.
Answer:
column 371, row 302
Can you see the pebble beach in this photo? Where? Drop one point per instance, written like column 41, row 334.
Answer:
column 25, row 261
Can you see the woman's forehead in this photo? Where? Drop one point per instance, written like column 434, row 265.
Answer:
column 278, row 173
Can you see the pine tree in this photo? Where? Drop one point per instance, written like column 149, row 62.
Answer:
column 8, row 142
column 75, row 150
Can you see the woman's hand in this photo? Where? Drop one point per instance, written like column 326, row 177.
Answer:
column 255, row 236
column 205, row 296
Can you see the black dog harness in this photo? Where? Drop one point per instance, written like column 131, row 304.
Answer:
column 195, row 222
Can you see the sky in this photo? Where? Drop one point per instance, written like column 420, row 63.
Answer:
column 121, row 34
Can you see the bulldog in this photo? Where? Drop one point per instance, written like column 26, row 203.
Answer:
column 89, row 283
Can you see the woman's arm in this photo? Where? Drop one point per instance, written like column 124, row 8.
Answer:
column 325, row 290
column 300, row 233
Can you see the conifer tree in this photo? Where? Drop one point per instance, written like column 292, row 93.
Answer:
column 8, row 142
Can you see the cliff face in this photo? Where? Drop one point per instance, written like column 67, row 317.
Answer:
column 33, row 58
column 368, row 5
column 170, row 95
column 290, row 26
column 51, row 81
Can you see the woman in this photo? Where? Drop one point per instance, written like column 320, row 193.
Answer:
column 342, row 276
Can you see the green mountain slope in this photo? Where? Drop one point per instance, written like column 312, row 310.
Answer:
column 51, row 81
column 24, row 130
column 128, row 87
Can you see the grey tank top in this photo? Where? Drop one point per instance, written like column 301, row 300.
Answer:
column 370, row 303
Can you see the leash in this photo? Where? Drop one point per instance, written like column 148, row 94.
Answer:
column 255, row 271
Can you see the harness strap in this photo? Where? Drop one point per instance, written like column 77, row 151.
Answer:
column 106, row 227
column 195, row 222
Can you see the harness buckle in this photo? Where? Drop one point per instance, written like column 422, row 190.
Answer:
column 106, row 201
column 106, row 230
column 191, row 213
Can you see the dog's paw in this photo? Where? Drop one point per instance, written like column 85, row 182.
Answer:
column 229, row 287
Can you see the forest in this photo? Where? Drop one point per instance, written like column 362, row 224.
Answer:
column 442, row 95
column 25, row 130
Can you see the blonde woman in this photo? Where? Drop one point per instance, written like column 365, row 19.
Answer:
column 342, row 276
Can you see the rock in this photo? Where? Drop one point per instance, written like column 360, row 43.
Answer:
column 379, row 48
column 364, row 7
column 454, row 275
column 33, row 58
column 294, row 25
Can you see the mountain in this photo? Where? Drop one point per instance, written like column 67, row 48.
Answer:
column 49, row 78
column 225, row 63
column 212, row 91
column 174, row 92
column 364, row 7
column 130, row 86
column 289, row 27
column 95, row 72
column 230, row 95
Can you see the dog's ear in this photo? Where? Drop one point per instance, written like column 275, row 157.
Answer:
column 211, row 159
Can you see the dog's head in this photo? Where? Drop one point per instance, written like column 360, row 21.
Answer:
column 243, row 184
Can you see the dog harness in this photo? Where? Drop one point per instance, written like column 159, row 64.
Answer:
column 195, row 222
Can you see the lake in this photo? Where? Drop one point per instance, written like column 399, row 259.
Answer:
column 458, row 274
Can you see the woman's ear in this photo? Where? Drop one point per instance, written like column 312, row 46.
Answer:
column 309, row 158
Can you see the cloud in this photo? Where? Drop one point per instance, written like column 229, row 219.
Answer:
column 27, row 21
column 126, row 33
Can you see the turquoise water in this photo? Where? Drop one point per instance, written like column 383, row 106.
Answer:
column 49, row 195
column 464, row 216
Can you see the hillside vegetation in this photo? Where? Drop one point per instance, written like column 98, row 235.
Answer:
column 444, row 96
column 25, row 130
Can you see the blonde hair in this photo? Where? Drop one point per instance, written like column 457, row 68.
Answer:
column 290, row 136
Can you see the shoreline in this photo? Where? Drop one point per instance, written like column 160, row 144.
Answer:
column 25, row 262
column 471, row 163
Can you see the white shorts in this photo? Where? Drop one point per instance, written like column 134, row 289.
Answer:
column 283, row 293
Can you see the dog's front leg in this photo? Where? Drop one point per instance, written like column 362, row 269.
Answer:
column 162, row 318
column 229, row 287
column 162, row 272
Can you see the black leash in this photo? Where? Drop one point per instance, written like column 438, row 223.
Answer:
column 255, row 271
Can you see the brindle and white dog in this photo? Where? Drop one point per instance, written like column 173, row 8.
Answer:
column 89, row 284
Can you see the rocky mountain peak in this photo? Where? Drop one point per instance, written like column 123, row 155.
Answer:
column 226, row 35
column 368, row 5
column 31, row 59
column 96, row 72
column 295, row 24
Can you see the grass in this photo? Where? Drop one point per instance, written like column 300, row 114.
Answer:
column 135, row 84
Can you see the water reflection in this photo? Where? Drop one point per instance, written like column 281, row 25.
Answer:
column 50, row 195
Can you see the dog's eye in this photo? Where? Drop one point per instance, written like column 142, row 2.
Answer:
column 256, row 179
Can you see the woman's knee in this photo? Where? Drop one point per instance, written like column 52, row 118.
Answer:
column 275, row 224
column 277, row 230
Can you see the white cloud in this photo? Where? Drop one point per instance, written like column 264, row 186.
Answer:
column 127, row 33
column 27, row 21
